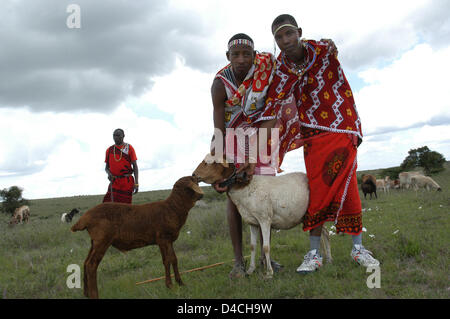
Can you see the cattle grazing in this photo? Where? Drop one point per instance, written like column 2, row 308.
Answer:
column 21, row 215
column 369, row 185
column 395, row 184
column 384, row 184
column 426, row 182
column 405, row 178
column 381, row 185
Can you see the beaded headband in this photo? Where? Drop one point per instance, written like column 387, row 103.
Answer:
column 240, row 41
column 282, row 26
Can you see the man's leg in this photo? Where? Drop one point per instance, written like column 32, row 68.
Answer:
column 360, row 254
column 312, row 260
column 235, row 228
column 314, row 237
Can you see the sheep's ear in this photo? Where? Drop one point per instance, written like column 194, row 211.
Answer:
column 196, row 188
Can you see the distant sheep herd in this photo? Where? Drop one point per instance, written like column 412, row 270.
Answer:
column 160, row 222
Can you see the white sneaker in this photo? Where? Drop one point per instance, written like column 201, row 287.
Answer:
column 312, row 261
column 363, row 257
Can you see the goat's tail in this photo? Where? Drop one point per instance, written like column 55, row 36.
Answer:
column 81, row 224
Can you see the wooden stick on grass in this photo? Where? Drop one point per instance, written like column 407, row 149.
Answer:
column 183, row 272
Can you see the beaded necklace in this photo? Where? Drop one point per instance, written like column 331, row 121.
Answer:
column 117, row 160
column 299, row 70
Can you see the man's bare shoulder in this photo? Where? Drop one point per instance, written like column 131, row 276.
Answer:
column 217, row 87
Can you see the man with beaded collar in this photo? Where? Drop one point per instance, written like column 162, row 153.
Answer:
column 121, row 164
column 310, row 92
column 238, row 95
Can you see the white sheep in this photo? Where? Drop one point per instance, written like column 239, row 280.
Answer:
column 278, row 202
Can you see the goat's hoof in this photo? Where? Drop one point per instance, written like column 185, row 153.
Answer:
column 268, row 276
column 180, row 283
column 169, row 285
column 250, row 271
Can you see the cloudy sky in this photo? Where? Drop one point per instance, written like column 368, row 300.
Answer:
column 147, row 67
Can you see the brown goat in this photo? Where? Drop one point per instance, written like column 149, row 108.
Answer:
column 127, row 227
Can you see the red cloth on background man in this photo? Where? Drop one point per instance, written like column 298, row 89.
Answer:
column 121, row 187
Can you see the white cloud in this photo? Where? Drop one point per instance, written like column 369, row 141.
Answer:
column 413, row 89
column 393, row 148
column 400, row 51
column 62, row 154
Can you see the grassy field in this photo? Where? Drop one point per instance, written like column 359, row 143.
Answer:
column 407, row 232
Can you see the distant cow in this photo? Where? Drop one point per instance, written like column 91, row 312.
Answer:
column 419, row 181
column 384, row 184
column 67, row 217
column 405, row 178
column 21, row 215
column 395, row 184
column 369, row 185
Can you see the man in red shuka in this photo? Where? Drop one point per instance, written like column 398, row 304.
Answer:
column 311, row 94
column 120, row 166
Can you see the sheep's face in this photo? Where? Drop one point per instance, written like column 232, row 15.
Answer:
column 190, row 184
column 211, row 172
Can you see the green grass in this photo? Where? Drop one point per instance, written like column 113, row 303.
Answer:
column 409, row 235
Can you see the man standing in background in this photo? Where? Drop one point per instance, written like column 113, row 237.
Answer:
column 120, row 166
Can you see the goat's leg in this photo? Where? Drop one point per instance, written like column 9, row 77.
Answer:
column 163, row 247
column 85, row 288
column 174, row 262
column 98, row 251
column 254, row 233
column 265, row 229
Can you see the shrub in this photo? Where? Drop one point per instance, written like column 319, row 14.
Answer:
column 12, row 199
